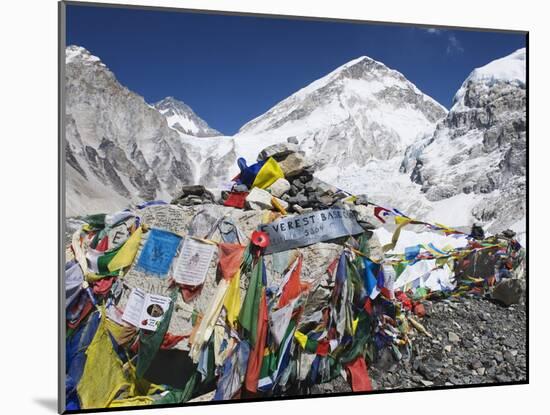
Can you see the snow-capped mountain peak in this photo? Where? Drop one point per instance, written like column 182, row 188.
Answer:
column 510, row 69
column 118, row 149
column 479, row 150
column 362, row 108
column 182, row 118
column 75, row 53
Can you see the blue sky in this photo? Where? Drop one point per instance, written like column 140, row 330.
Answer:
column 230, row 69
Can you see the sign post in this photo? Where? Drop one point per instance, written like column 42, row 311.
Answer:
column 302, row 230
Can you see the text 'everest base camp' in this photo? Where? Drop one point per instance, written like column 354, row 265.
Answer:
column 355, row 237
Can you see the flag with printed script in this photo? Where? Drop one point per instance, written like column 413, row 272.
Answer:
column 158, row 253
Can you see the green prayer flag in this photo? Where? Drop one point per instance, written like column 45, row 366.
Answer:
column 149, row 345
column 95, row 221
column 176, row 396
column 103, row 262
column 248, row 317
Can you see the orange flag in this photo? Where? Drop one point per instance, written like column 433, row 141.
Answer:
column 231, row 256
column 293, row 287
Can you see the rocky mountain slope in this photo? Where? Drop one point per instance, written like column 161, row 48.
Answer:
column 354, row 125
column 119, row 149
column 182, row 118
column 480, row 146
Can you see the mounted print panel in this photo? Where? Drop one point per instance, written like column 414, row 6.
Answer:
column 262, row 207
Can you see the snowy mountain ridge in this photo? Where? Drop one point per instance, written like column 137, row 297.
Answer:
column 182, row 118
column 364, row 127
column 119, row 150
column 479, row 149
column 363, row 108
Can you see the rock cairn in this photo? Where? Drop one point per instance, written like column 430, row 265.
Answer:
column 298, row 192
column 193, row 195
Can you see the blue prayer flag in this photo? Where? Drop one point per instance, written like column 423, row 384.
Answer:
column 158, row 252
column 412, row 252
column 371, row 269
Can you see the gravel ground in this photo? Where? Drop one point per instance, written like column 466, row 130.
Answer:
column 474, row 341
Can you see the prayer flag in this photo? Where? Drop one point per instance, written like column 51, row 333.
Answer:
column 158, row 252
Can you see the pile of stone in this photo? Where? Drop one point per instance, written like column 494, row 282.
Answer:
column 193, row 195
column 299, row 191
column 303, row 191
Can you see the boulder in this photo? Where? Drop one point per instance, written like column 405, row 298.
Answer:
column 299, row 209
column 312, row 185
column 326, row 189
column 259, row 199
column 278, row 151
column 326, row 200
column 192, row 195
column 279, row 188
column 509, row 291
column 283, row 203
column 292, row 140
column 293, row 165
column 365, row 216
column 361, row 199
column 304, row 177
column 241, row 187
column 300, row 199
column 453, row 337
column 298, row 184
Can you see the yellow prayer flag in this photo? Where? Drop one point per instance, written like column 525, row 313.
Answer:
column 301, row 338
column 135, row 401
column 268, row 174
column 125, row 256
column 103, row 376
column 354, row 325
column 401, row 222
column 121, row 334
column 232, row 302
column 401, row 219
column 350, row 199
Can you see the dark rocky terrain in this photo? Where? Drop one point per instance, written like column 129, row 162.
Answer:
column 474, row 341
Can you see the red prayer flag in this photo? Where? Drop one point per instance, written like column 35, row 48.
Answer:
column 256, row 356
column 189, row 292
column 332, row 266
column 380, row 210
column 170, row 340
column 236, row 199
column 368, row 306
column 293, row 287
column 103, row 245
column 323, row 347
column 103, row 286
column 358, row 377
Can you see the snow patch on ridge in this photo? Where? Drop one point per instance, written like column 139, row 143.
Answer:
column 510, row 69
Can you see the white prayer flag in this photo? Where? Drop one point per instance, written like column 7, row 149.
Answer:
column 193, row 262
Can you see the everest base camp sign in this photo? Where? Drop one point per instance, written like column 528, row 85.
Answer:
column 302, row 230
